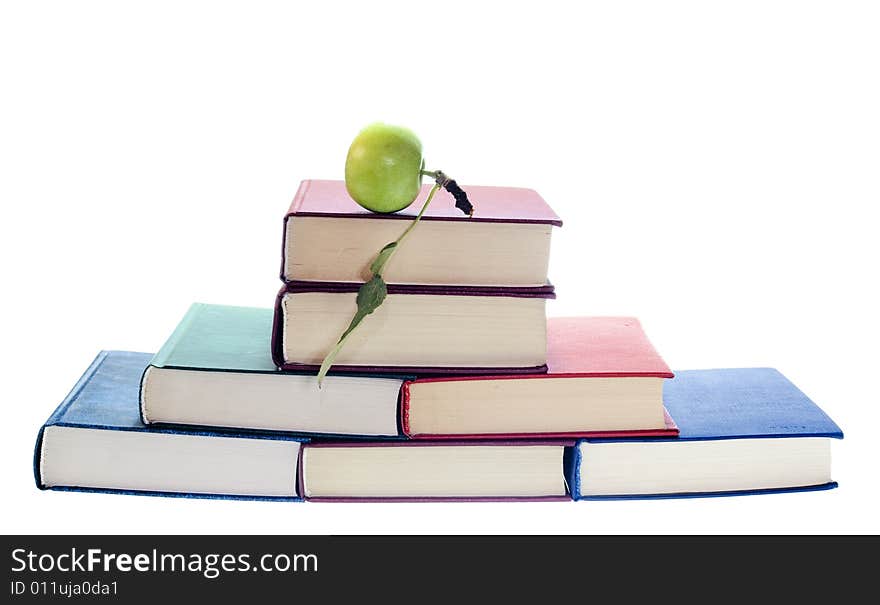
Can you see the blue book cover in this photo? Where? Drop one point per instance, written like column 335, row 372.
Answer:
column 95, row 441
column 761, row 433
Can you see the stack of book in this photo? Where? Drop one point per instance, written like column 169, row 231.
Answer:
column 457, row 387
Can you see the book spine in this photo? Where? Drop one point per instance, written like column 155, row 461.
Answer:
column 282, row 271
column 404, row 408
column 276, row 344
column 142, row 399
column 300, row 472
column 574, row 484
column 38, row 459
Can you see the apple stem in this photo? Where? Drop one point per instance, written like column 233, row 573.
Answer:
column 461, row 198
column 419, row 215
column 388, row 251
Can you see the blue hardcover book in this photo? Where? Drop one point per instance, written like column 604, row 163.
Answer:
column 95, row 441
column 742, row 431
column 216, row 370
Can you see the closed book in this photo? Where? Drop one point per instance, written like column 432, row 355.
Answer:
column 604, row 378
column 742, row 431
column 216, row 370
column 328, row 237
column 96, row 442
column 430, row 471
column 417, row 329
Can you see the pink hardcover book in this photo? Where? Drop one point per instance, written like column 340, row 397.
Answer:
column 424, row 471
column 505, row 243
column 604, row 379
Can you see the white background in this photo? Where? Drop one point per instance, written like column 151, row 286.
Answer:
column 716, row 166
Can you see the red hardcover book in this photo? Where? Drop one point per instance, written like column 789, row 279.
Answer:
column 604, row 379
column 506, row 243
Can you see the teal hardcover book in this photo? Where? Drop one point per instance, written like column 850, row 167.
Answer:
column 96, row 442
column 216, row 370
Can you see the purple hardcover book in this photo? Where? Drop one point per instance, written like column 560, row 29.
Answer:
column 505, row 243
column 424, row 330
column 434, row 471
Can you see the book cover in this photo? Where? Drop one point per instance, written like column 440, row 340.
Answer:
column 237, row 340
column 577, row 347
column 545, row 292
column 415, row 444
column 220, row 337
column 491, row 204
column 106, row 398
column 730, row 404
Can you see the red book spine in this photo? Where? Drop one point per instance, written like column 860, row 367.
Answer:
column 404, row 408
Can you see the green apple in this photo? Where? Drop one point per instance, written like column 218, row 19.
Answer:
column 383, row 168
